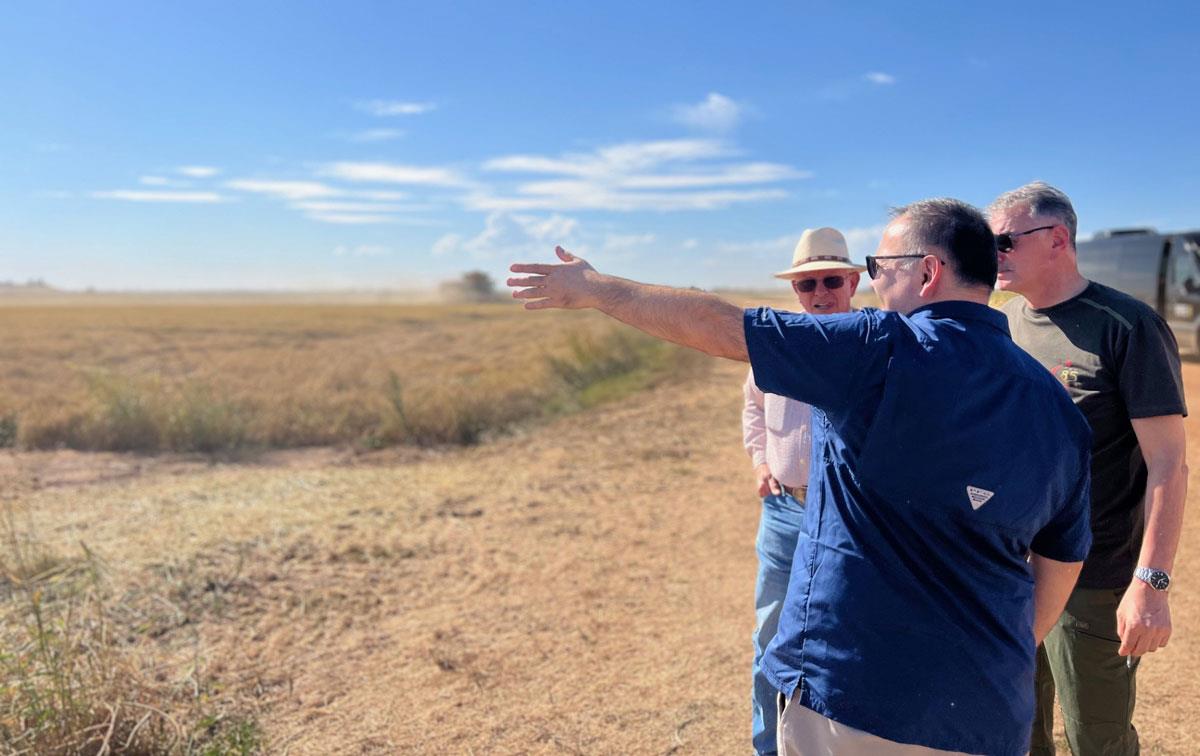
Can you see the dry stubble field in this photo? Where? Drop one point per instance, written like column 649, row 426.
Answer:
column 577, row 586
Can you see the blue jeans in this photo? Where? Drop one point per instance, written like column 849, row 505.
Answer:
column 778, row 529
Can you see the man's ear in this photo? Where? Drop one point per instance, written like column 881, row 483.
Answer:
column 1060, row 238
column 932, row 271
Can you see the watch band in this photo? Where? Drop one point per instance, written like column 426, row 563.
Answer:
column 1159, row 580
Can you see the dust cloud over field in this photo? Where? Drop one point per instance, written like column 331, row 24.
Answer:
column 579, row 585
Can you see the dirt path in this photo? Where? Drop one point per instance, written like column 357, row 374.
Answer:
column 584, row 588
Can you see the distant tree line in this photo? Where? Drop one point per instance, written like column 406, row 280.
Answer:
column 473, row 286
column 33, row 283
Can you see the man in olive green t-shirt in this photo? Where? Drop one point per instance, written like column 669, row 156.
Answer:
column 1120, row 363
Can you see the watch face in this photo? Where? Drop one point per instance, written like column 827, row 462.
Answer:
column 1156, row 579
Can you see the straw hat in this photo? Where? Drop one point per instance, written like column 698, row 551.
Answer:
column 820, row 249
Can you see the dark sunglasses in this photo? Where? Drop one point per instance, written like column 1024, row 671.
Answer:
column 809, row 285
column 1004, row 242
column 873, row 267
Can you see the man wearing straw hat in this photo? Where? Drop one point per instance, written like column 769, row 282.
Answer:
column 777, row 433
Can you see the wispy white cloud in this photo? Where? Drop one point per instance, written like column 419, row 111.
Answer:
column 616, row 159
column 393, row 173
column 447, row 244
column 379, row 196
column 625, row 246
column 627, row 241
column 582, row 196
column 351, row 219
column 361, row 250
column 851, row 86
column 163, row 181
column 386, row 108
column 715, row 113
column 349, row 207
column 745, row 173
column 325, row 203
column 376, row 135
column 134, row 195
column 289, row 190
column 861, row 242
column 511, row 235
column 198, row 171
column 778, row 247
column 663, row 175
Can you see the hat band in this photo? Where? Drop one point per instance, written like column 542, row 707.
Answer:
column 822, row 257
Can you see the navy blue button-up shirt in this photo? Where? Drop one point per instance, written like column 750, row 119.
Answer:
column 942, row 455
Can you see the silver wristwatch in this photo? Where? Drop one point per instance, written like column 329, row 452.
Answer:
column 1156, row 579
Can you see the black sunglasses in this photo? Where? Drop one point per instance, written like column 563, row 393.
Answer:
column 873, row 267
column 809, row 285
column 1004, row 242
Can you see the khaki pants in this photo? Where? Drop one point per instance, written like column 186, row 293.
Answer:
column 1095, row 689
column 803, row 732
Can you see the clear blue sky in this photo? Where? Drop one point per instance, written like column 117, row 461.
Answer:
column 378, row 144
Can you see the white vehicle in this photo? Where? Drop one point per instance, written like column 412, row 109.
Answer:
column 1162, row 270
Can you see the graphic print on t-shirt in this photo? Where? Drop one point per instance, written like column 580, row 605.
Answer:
column 1067, row 373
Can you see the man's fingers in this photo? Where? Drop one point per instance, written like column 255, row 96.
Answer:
column 537, row 281
column 1137, row 644
column 1126, row 641
column 536, row 293
column 564, row 255
column 539, row 268
column 541, row 304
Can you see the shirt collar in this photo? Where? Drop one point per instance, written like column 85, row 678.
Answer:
column 962, row 310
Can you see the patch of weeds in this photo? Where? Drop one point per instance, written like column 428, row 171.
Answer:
column 127, row 417
column 591, row 359
column 461, row 412
column 188, row 590
column 219, row 735
column 8, row 430
column 70, row 683
column 607, row 368
column 201, row 421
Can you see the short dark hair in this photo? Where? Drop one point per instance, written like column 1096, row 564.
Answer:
column 958, row 229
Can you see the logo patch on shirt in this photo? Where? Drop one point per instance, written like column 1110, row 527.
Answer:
column 1067, row 373
column 979, row 496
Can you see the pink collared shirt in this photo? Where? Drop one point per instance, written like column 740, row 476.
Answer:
column 777, row 431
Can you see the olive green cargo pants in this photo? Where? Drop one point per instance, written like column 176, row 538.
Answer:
column 1096, row 689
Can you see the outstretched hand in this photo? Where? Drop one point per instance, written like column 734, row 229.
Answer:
column 572, row 284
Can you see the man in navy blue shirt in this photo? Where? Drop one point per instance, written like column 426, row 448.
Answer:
column 948, row 498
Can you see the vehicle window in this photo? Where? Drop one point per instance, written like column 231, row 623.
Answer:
column 1186, row 269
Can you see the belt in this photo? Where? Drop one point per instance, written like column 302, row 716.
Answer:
column 796, row 492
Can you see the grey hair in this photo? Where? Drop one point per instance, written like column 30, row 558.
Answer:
column 1041, row 199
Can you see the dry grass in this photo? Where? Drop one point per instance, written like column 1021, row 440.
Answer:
column 583, row 587
column 73, row 679
column 218, row 378
column 579, row 586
